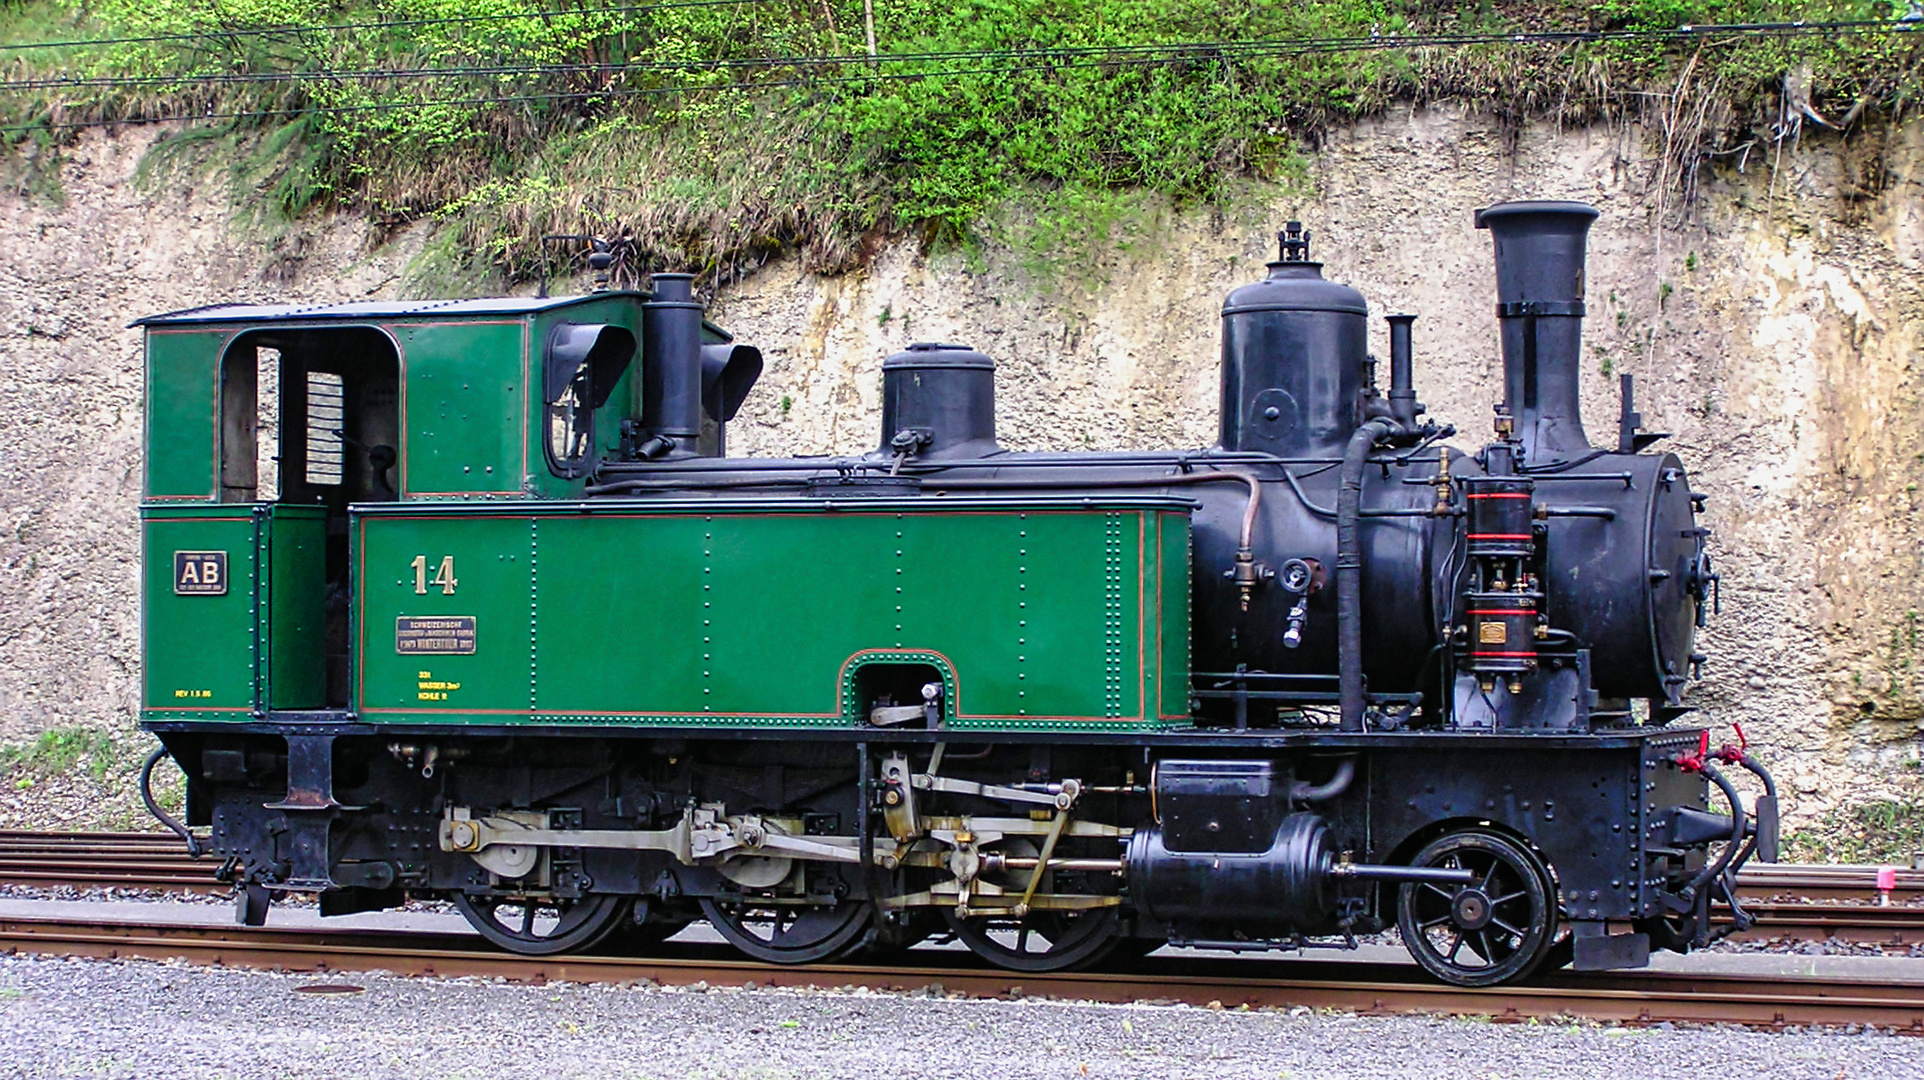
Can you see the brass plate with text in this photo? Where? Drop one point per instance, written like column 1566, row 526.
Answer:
column 200, row 573
column 439, row 635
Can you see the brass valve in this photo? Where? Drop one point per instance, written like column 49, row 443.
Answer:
column 1248, row 573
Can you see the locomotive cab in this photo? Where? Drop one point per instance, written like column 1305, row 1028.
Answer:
column 265, row 425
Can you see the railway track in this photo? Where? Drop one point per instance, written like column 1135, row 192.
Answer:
column 128, row 860
column 1375, row 989
column 1792, row 902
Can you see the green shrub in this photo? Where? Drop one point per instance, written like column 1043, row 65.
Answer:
column 705, row 134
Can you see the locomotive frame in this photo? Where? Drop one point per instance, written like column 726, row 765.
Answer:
column 1051, row 704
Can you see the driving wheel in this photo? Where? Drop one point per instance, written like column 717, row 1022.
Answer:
column 535, row 926
column 787, row 933
column 1040, row 941
column 1496, row 929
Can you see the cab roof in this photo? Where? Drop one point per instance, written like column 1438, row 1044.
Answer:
column 371, row 309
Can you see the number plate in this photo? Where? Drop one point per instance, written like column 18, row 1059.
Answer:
column 441, row 635
column 200, row 573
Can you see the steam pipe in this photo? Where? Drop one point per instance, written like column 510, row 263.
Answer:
column 194, row 849
column 1245, row 533
column 1765, row 806
column 1349, row 571
column 1713, row 867
column 1329, row 789
column 1403, row 404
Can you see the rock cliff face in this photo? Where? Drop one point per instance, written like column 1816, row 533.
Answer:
column 1773, row 325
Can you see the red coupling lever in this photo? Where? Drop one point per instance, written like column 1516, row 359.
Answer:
column 1728, row 754
column 1695, row 762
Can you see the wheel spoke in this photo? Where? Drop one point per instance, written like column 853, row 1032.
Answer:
column 1515, row 914
column 1044, row 941
column 542, row 928
column 788, row 934
column 1507, row 928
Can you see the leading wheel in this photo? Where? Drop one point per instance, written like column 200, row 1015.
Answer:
column 1493, row 930
column 779, row 933
column 1041, row 941
column 542, row 927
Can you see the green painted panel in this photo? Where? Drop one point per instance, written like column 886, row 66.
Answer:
column 198, row 649
column 398, row 676
column 464, row 400
column 1175, row 571
column 620, row 623
column 182, row 413
column 294, row 606
column 1044, row 616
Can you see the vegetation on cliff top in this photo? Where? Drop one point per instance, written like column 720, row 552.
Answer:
column 704, row 134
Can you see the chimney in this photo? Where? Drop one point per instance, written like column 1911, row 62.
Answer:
column 1539, row 292
column 671, row 368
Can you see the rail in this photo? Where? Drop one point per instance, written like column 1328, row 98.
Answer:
column 1377, row 989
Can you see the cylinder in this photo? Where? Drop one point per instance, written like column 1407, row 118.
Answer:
column 671, row 364
column 938, row 401
column 1539, row 284
column 1288, row 885
column 1294, row 346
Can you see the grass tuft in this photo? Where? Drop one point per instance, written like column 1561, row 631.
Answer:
column 1884, row 830
column 61, row 751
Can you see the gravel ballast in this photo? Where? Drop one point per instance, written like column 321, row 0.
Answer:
column 92, row 1018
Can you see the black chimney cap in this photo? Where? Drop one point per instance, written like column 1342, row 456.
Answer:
column 1532, row 206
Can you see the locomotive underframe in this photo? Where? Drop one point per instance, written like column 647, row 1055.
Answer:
column 318, row 803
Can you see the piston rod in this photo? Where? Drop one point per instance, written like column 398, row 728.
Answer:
column 1432, row 875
